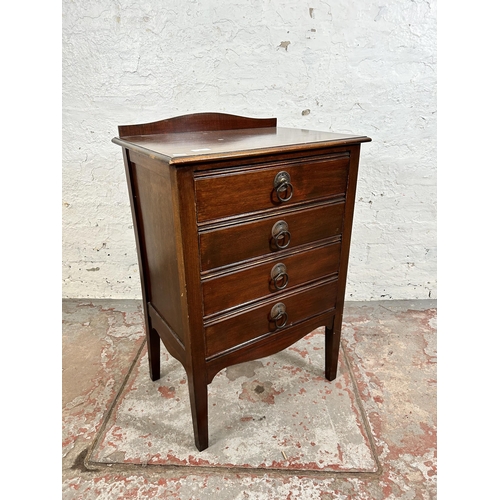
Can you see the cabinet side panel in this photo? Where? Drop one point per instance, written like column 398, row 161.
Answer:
column 347, row 230
column 155, row 220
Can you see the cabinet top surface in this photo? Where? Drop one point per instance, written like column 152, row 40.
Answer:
column 187, row 147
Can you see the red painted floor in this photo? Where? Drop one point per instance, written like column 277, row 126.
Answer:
column 278, row 429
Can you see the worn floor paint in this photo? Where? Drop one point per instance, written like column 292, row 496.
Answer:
column 279, row 413
column 100, row 341
column 390, row 347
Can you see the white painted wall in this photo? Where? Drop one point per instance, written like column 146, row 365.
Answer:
column 366, row 67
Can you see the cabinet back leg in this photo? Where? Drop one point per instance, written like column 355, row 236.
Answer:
column 153, row 341
column 332, row 346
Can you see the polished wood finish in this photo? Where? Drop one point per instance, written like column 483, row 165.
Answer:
column 207, row 193
column 220, row 247
column 233, row 288
column 256, row 322
column 215, row 194
column 198, row 122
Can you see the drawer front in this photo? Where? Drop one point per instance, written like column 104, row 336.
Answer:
column 270, row 278
column 227, row 194
column 257, row 322
column 229, row 245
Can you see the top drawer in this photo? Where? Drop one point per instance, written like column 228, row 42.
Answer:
column 225, row 193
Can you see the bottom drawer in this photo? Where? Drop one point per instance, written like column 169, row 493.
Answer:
column 257, row 322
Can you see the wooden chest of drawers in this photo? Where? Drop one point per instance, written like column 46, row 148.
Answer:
column 242, row 232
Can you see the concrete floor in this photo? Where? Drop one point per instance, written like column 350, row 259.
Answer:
column 278, row 429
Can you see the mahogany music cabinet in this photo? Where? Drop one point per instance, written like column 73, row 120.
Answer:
column 243, row 231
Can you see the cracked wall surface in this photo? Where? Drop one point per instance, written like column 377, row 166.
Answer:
column 363, row 67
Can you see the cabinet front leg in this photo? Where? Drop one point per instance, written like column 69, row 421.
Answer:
column 153, row 341
column 332, row 345
column 198, row 395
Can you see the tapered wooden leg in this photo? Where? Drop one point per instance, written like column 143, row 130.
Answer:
column 153, row 341
column 198, row 394
column 332, row 345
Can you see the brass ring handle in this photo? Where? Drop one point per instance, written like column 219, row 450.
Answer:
column 282, row 183
column 284, row 278
column 281, row 235
column 279, row 276
column 279, row 315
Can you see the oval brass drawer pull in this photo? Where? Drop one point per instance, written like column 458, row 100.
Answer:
column 279, row 315
column 282, row 184
column 281, row 235
column 279, row 276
